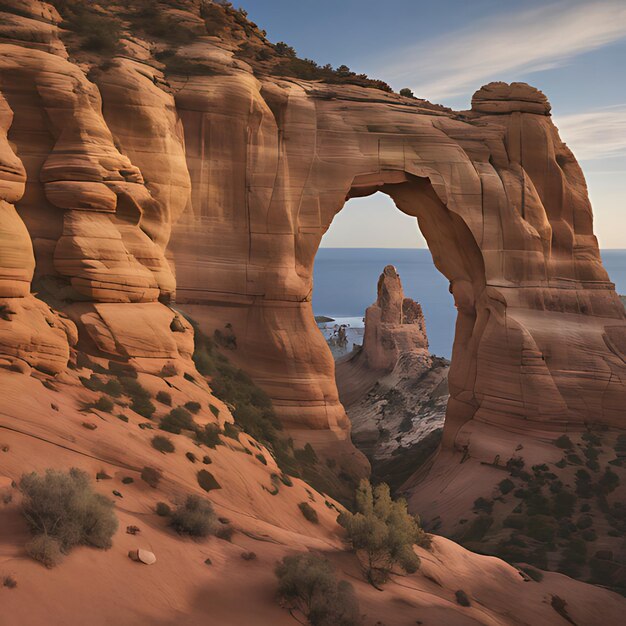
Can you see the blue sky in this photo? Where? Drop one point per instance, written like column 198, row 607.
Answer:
column 573, row 50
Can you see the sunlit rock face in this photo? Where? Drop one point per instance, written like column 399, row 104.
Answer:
column 112, row 175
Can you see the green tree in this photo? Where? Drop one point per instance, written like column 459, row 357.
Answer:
column 407, row 93
column 383, row 531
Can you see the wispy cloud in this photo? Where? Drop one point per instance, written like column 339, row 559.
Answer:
column 494, row 48
column 595, row 134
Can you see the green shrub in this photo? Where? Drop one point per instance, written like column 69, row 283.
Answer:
column 62, row 508
column 308, row 588
column 177, row 420
column 584, row 521
column 103, row 404
column 162, row 509
column 151, row 476
column 164, row 398
column 231, row 431
column 113, row 388
column 214, row 410
column 563, row 442
column 207, row 481
column 209, row 436
column 461, row 598
column 195, row 517
column 506, row 486
column 307, row 455
column 406, row 92
column 162, row 444
column 541, row 528
column 609, row 481
column 261, row 458
column 533, row 573
column 193, row 407
column 143, row 407
column 191, row 456
column 309, row 512
column 482, row 504
column 383, row 530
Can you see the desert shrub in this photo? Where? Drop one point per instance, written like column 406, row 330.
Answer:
column 307, row 455
column 461, row 598
column 63, row 508
column 209, row 435
column 9, row 582
column 563, row 442
column 191, row 456
column 506, row 486
column 162, row 444
column 45, row 549
column 164, row 398
column 259, row 457
column 533, row 573
column 515, row 521
column 307, row 587
column 563, row 504
column 248, row 556
column 207, row 481
column 143, row 407
column 195, row 517
column 214, row 410
column 151, row 476
column 584, row 521
column 286, row 480
column 100, row 33
column 128, row 480
column 93, row 383
column 225, row 532
column 482, row 504
column 103, row 404
column 589, row 534
column 177, row 420
column 231, row 431
column 163, row 509
column 309, row 512
column 113, row 388
column 609, row 481
column 478, row 528
column 193, row 407
column 384, row 531
column 406, row 92
column 541, row 528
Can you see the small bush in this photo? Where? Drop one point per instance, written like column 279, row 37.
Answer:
column 309, row 512
column 46, row 550
column 563, row 442
column 609, row 481
column 225, row 532
column 143, row 407
column 286, row 480
column 209, row 436
column 482, row 504
column 206, row 459
column 63, row 511
column 461, row 598
column 261, row 458
column 406, row 92
column 191, row 456
column 128, row 480
column 207, row 481
column 231, row 431
column 384, row 531
column 151, row 476
column 162, row 509
column 164, row 398
column 193, row 407
column 506, row 486
column 162, row 444
column 9, row 582
column 307, row 586
column 195, row 518
column 248, row 556
column 214, row 410
column 103, row 404
column 177, row 420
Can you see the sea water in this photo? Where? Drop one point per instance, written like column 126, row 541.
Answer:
column 345, row 281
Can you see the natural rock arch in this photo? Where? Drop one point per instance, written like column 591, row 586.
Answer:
column 503, row 204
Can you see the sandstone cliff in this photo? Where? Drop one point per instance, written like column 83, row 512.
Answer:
column 161, row 153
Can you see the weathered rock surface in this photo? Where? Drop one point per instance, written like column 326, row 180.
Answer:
column 394, row 391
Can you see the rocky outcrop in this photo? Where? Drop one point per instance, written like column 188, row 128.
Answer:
column 187, row 152
column 394, row 391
